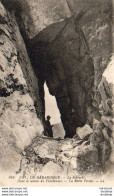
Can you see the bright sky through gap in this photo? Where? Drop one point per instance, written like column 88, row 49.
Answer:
column 51, row 107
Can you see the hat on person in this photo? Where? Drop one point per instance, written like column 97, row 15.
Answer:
column 48, row 117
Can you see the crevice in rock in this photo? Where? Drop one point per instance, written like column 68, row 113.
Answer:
column 60, row 56
column 12, row 5
column 63, row 60
column 4, row 93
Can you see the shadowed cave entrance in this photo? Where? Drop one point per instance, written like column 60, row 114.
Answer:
column 60, row 56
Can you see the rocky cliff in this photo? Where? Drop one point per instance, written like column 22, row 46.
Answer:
column 66, row 44
column 18, row 116
column 68, row 49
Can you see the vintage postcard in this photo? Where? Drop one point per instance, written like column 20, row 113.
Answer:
column 56, row 93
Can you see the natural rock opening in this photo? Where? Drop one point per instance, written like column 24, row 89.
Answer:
column 63, row 60
column 61, row 57
column 70, row 52
column 51, row 108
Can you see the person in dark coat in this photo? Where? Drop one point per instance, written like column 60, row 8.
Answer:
column 49, row 127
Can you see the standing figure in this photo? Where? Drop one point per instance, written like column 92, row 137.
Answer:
column 49, row 131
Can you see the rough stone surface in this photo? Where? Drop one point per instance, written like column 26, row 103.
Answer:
column 65, row 156
column 37, row 15
column 78, row 47
column 52, row 168
column 68, row 157
column 87, row 158
column 58, row 131
column 97, row 125
column 112, row 150
column 83, row 132
column 18, row 118
column 71, row 46
column 96, row 25
column 70, row 54
column 96, row 138
column 108, row 122
column 68, row 78
column 106, row 90
column 107, row 133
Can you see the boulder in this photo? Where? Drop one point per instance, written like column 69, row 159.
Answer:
column 107, row 133
column 104, row 151
column 106, row 109
column 96, row 138
column 112, row 151
column 83, row 132
column 97, row 125
column 108, row 78
column 106, row 90
column 9, row 157
column 51, row 168
column 87, row 158
column 108, row 121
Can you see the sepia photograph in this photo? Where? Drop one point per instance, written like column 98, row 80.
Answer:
column 56, row 93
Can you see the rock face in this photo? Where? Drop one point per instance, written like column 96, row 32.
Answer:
column 18, row 119
column 37, row 15
column 106, row 108
column 64, row 45
column 58, row 131
column 83, row 132
column 59, row 157
column 70, row 57
column 84, row 159
column 63, row 157
column 67, row 67
column 69, row 49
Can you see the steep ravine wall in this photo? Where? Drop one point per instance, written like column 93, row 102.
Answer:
column 19, row 88
column 69, row 49
column 71, row 56
column 19, row 123
column 106, row 107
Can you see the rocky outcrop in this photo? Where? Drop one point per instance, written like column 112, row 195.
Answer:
column 65, row 51
column 83, row 132
column 19, row 123
column 69, row 57
column 64, row 157
column 106, row 107
column 69, row 49
column 37, row 15
column 65, row 65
